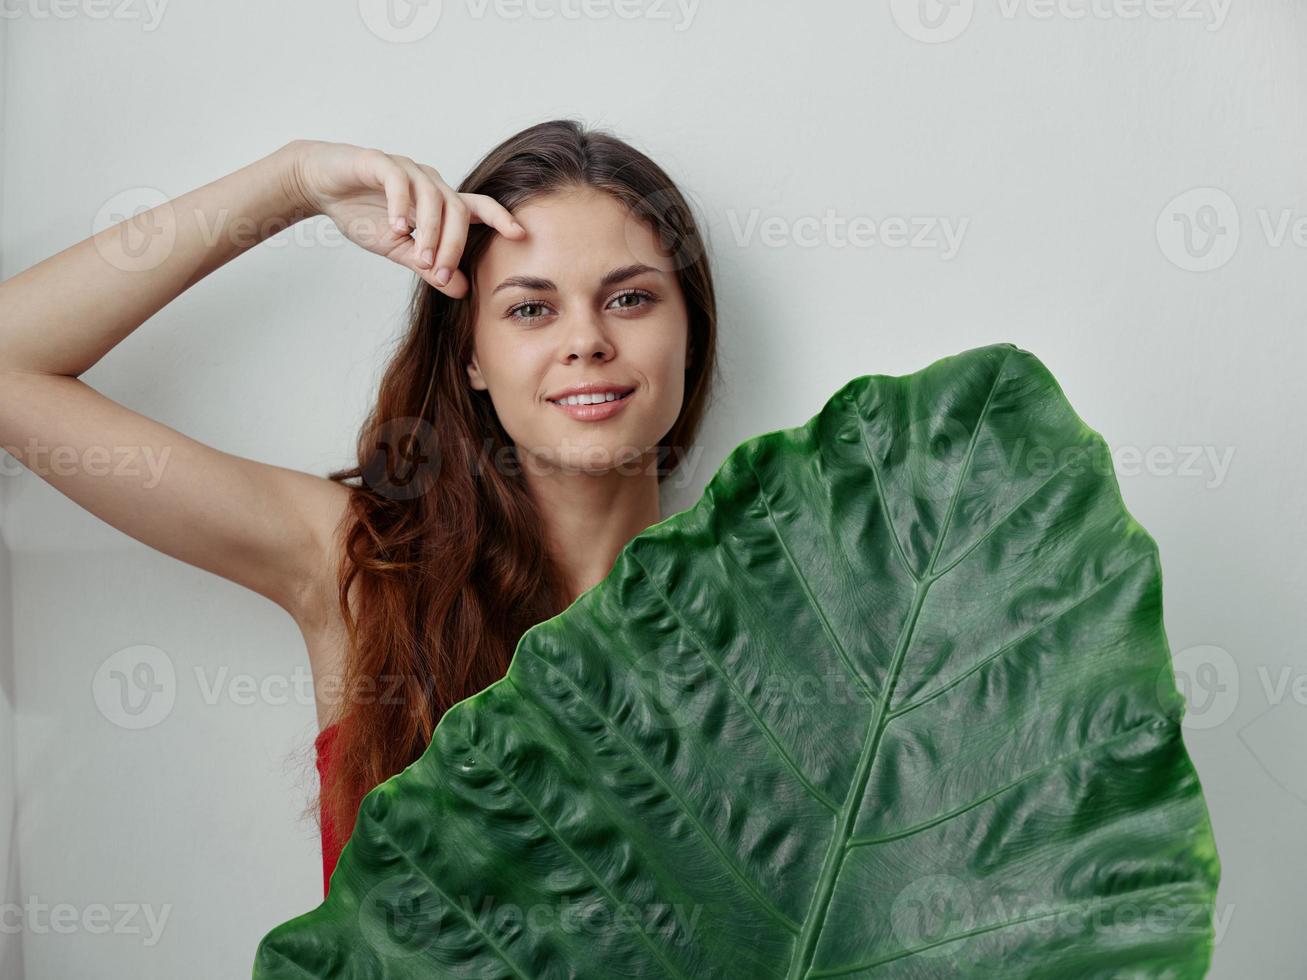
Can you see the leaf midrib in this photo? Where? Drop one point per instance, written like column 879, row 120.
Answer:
column 815, row 918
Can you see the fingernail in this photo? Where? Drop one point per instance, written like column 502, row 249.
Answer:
column 442, row 275
column 400, row 225
column 428, row 256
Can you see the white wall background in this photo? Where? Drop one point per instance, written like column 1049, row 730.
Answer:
column 1057, row 144
column 11, row 939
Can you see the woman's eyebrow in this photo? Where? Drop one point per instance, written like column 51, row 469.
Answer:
column 611, row 278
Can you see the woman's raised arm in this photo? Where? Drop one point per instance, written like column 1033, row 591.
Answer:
column 258, row 525
column 266, row 527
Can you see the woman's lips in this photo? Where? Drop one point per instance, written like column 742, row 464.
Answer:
column 593, row 413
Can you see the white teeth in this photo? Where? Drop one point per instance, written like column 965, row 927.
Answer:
column 594, row 399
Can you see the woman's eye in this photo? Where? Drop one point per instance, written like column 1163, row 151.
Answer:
column 631, row 300
column 520, row 311
column 635, row 294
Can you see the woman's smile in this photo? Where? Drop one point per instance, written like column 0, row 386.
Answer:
column 596, row 411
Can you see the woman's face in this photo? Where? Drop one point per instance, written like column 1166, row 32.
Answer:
column 586, row 296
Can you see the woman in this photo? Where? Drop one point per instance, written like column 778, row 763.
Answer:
column 487, row 496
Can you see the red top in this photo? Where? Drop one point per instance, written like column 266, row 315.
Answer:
column 331, row 847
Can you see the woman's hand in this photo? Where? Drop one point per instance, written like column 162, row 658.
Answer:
column 375, row 198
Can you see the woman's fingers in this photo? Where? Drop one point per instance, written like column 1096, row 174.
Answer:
column 440, row 218
column 459, row 212
column 428, row 209
column 425, row 211
column 380, row 170
column 453, row 238
column 489, row 211
column 453, row 230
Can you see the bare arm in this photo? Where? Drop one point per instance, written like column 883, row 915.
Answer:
column 262, row 526
column 266, row 527
column 62, row 315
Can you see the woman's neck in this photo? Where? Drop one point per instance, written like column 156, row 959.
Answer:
column 590, row 518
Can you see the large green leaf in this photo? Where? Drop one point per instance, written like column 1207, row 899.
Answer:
column 893, row 699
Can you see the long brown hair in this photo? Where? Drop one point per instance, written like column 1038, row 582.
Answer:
column 442, row 538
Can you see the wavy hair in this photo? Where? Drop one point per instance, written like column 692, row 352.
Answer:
column 444, row 543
